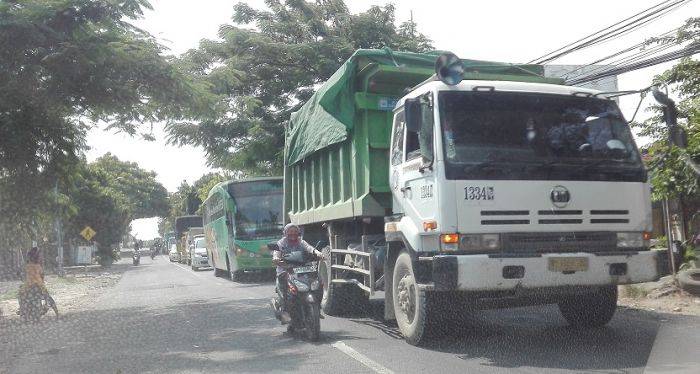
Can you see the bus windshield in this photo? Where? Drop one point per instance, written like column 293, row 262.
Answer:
column 258, row 208
column 510, row 135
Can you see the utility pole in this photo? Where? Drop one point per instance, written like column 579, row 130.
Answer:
column 59, row 233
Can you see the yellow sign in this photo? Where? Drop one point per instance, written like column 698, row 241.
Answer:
column 88, row 233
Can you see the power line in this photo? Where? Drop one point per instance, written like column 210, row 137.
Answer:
column 675, row 55
column 615, row 30
column 619, row 53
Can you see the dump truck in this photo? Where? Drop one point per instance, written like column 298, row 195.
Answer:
column 451, row 185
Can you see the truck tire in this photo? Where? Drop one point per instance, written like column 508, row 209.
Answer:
column 590, row 310
column 689, row 280
column 410, row 302
column 338, row 299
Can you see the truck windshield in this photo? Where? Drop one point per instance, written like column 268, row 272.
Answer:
column 526, row 136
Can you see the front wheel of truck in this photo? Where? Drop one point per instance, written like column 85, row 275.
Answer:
column 593, row 309
column 410, row 302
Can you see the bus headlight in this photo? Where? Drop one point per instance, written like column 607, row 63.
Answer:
column 632, row 240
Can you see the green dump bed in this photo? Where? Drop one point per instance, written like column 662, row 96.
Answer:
column 337, row 144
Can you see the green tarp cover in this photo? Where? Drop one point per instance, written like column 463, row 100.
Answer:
column 325, row 119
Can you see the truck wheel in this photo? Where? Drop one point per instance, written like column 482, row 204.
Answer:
column 592, row 310
column 410, row 303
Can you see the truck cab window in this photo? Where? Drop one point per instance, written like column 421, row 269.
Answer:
column 421, row 143
column 397, row 145
column 412, row 146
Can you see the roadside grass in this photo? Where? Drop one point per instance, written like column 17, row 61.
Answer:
column 635, row 292
column 9, row 295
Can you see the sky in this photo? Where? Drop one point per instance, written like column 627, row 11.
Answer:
column 497, row 30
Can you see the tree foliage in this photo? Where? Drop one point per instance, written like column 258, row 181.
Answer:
column 268, row 63
column 65, row 64
column 670, row 175
column 107, row 195
column 188, row 199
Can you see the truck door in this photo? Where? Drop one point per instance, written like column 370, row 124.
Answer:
column 414, row 180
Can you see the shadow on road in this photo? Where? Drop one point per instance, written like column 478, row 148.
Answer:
column 222, row 336
column 536, row 337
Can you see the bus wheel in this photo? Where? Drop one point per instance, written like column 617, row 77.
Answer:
column 219, row 273
column 235, row 275
column 410, row 302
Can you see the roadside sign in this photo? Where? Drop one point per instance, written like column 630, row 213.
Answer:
column 88, row 233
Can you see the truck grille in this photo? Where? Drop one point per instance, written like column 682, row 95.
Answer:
column 553, row 217
column 559, row 242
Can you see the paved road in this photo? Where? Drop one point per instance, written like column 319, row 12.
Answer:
column 163, row 317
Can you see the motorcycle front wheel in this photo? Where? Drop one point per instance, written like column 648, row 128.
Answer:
column 313, row 322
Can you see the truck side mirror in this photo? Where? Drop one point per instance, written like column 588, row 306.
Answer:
column 676, row 135
column 413, row 114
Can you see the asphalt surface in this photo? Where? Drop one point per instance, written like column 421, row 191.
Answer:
column 163, row 317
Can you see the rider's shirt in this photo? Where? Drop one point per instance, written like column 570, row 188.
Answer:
column 34, row 272
column 286, row 248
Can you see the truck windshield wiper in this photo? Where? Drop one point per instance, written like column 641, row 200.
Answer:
column 488, row 164
column 599, row 162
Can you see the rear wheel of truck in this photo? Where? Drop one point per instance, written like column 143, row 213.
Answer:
column 594, row 309
column 338, row 299
column 410, row 302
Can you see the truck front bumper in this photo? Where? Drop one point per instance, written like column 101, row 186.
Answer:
column 485, row 273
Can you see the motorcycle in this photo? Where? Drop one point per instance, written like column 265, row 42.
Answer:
column 136, row 258
column 304, row 293
column 153, row 255
column 34, row 302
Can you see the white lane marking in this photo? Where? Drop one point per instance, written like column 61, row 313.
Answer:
column 364, row 360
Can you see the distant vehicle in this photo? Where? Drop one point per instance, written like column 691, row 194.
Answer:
column 182, row 226
column 174, row 255
column 199, row 257
column 240, row 219
column 188, row 243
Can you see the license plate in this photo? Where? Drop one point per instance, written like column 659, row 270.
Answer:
column 568, row 264
column 305, row 269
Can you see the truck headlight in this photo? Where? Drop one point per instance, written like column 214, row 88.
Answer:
column 470, row 242
column 632, row 240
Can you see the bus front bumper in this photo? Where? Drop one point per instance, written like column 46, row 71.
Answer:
column 485, row 273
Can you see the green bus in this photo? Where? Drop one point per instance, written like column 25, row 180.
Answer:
column 240, row 218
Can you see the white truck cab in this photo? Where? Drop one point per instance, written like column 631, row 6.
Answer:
column 524, row 191
column 541, row 180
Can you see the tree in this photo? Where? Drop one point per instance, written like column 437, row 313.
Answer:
column 64, row 63
column 267, row 64
column 671, row 176
column 107, row 195
column 138, row 190
column 188, row 199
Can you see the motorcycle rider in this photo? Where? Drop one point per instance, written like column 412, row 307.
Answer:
column 291, row 242
column 35, row 279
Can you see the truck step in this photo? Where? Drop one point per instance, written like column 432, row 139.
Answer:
column 352, row 281
column 349, row 268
